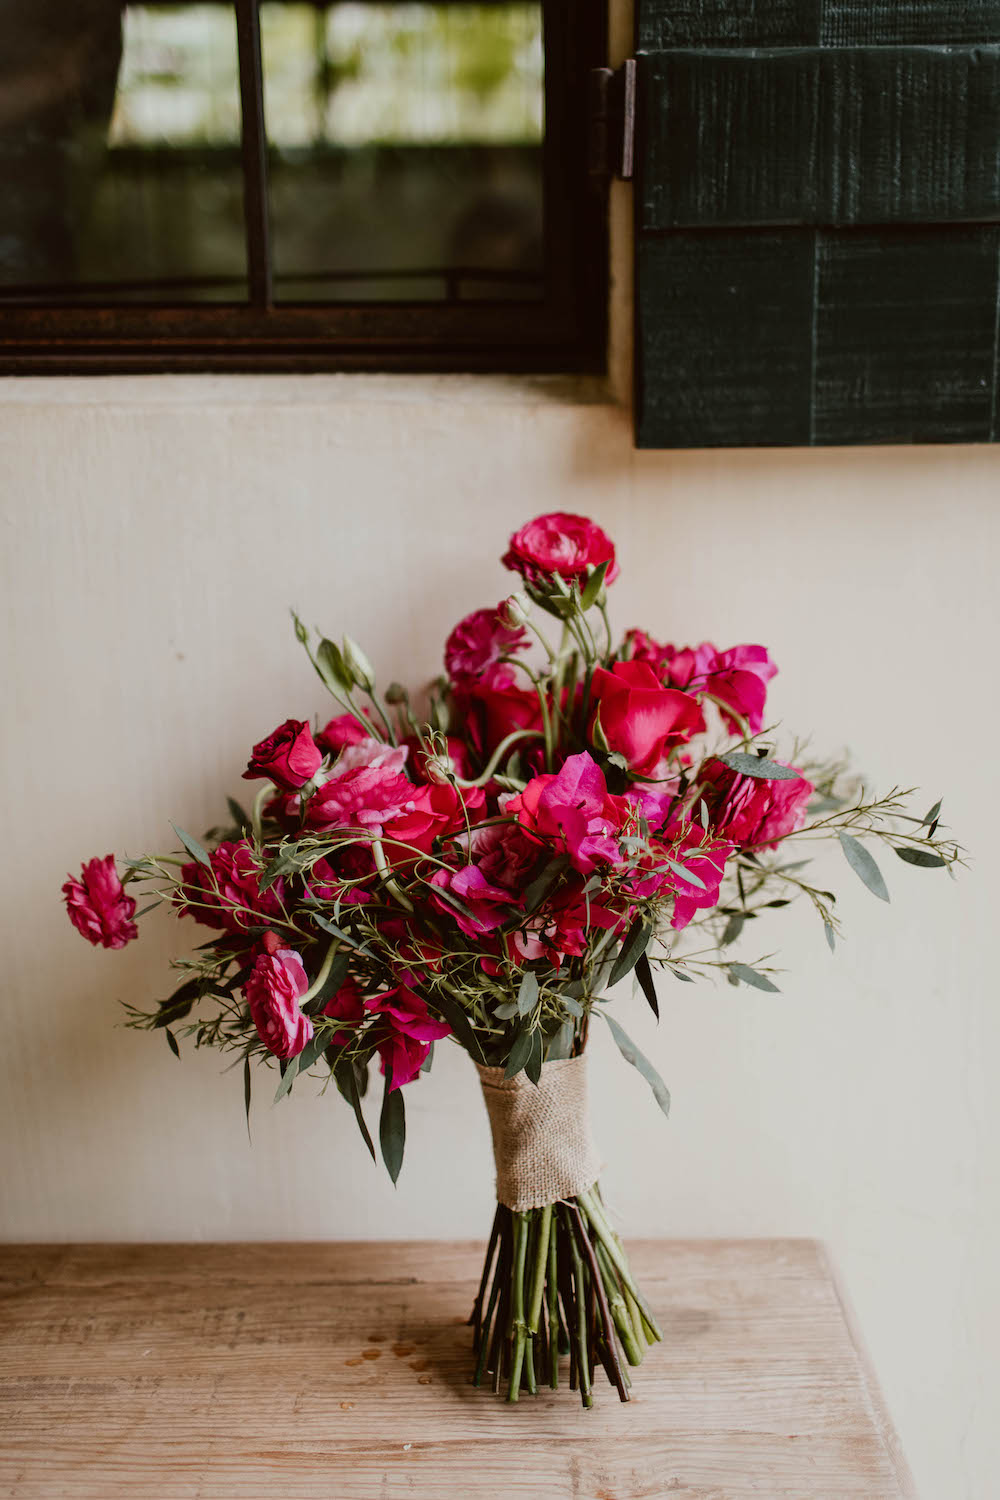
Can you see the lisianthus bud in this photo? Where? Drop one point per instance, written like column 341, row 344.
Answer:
column 396, row 693
column 358, row 665
column 515, row 610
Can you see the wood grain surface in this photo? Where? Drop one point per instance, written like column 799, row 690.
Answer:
column 197, row 1372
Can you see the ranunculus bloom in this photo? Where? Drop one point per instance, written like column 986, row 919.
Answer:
column 560, row 543
column 272, row 992
column 473, row 650
column 229, row 896
column 574, row 810
column 342, row 730
column 346, row 1004
column 98, row 906
column 750, row 811
column 641, row 719
column 487, row 906
column 289, row 757
column 365, row 789
column 738, row 677
column 410, row 1030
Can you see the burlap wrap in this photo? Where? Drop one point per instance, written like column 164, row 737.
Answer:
column 542, row 1144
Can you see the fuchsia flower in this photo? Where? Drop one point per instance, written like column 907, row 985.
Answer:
column 289, row 757
column 411, row 1029
column 272, row 992
column 365, row 789
column 750, row 811
column 639, row 718
column 342, row 730
column 738, row 677
column 229, row 895
column 706, row 858
column 346, row 1004
column 493, row 712
column 98, row 906
column 473, row 650
column 560, row 543
column 576, row 811
column 435, row 811
column 486, row 906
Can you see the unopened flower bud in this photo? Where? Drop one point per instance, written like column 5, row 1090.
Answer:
column 515, row 610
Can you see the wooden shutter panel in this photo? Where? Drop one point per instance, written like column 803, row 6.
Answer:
column 817, row 208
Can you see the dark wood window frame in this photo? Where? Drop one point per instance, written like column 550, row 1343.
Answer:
column 564, row 331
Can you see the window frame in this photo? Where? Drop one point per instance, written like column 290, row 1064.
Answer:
column 563, row 332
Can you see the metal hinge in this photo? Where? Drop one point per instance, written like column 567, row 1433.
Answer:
column 611, row 150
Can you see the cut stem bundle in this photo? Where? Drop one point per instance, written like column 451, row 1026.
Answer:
column 556, row 1282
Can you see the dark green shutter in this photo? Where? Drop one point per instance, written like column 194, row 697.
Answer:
column 817, row 247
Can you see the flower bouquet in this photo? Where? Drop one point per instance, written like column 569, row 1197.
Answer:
column 558, row 813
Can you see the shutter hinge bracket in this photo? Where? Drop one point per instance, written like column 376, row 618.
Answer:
column 611, row 145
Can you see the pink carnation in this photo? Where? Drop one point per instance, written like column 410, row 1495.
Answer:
column 98, row 906
column 473, row 650
column 229, row 895
column 272, row 992
column 560, row 543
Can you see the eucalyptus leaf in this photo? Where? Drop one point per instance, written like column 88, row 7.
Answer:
column 533, row 1066
column 519, row 1054
column 733, row 929
column 346, row 1079
column 392, row 1127
column 312, row 1051
column 573, row 1006
column 680, row 974
column 527, row 995
column 193, row 847
column 922, row 857
column 631, row 1054
column 644, row 974
column 932, row 816
column 342, row 934
column 246, row 1093
column 831, row 936
column 506, row 1010
column 759, row 766
column 751, row 976
column 864, row 866
column 287, row 1079
column 452, row 1011
column 686, row 874
column 330, row 986
column 180, row 1003
column 171, row 1041
column 634, row 944
column 240, row 818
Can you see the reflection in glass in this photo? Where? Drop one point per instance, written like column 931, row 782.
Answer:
column 406, row 159
column 119, row 152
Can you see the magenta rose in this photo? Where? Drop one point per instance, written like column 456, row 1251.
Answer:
column 750, row 811
column 229, row 895
column 641, row 719
column 98, row 906
column 560, row 543
column 289, row 757
column 473, row 650
column 272, row 992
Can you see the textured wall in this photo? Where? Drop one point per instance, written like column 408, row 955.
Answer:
column 155, row 532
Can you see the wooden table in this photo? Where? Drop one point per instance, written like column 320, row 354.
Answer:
column 341, row 1372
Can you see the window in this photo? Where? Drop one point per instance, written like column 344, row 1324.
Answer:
column 295, row 185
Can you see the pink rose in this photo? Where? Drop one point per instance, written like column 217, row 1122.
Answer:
column 98, row 906
column 750, row 811
column 289, row 757
column 473, row 650
column 229, row 895
column 410, row 1029
column 640, row 719
column 272, row 992
column 505, row 854
column 574, row 810
column 347, row 1004
column 560, row 543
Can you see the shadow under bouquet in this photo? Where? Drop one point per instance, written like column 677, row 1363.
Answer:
column 564, row 811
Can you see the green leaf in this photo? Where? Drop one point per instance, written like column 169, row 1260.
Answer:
column 428, row 1061
column 533, row 1066
column 171, row 1041
column 922, row 857
column 193, row 847
column 592, row 587
column 631, row 1054
column 312, row 1051
column 751, row 976
column 644, row 974
column 332, row 983
column 527, row 995
column 864, row 866
column 285, row 862
column 246, row 1094
column 506, row 1011
column 392, row 1127
column 680, row 974
column 339, row 932
column 686, row 874
column 733, row 929
column 932, row 816
column 539, row 888
column 573, row 1006
column 519, row 1054
column 239, row 817
column 452, row 1011
column 635, row 943
column 287, row 1078
column 347, row 1083
column 831, row 936
column 180, row 1003
column 759, row 766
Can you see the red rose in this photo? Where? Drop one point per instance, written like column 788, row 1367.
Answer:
column 272, row 993
column 435, row 810
column 640, row 719
column 560, row 543
column 289, row 757
column 98, row 906
column 492, row 713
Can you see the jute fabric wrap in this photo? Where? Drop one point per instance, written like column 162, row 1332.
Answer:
column 542, row 1144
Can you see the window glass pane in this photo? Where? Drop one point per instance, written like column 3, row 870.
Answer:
column 120, row 153
column 406, row 150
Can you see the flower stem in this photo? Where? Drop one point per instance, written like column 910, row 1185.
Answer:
column 518, row 1327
